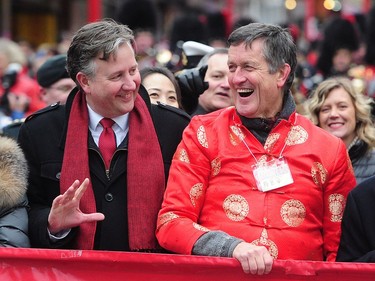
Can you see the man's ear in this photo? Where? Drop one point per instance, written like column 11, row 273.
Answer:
column 83, row 81
column 42, row 91
column 282, row 75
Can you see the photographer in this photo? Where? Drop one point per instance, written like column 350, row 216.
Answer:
column 19, row 94
column 205, row 88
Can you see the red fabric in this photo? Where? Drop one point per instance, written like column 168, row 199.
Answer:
column 145, row 173
column 56, row 265
column 146, row 182
column 211, row 187
column 107, row 140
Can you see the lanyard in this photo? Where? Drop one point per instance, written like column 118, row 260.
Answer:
column 248, row 148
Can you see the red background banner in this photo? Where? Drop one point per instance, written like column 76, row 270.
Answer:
column 76, row 265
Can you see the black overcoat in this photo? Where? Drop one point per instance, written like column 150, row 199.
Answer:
column 42, row 138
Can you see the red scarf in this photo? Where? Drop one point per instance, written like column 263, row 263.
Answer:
column 145, row 174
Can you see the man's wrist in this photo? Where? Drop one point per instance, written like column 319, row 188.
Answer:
column 59, row 235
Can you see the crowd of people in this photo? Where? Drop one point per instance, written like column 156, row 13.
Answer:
column 218, row 158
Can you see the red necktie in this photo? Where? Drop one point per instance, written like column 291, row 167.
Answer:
column 107, row 140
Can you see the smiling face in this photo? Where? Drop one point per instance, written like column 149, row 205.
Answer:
column 257, row 92
column 337, row 115
column 218, row 94
column 111, row 92
column 161, row 89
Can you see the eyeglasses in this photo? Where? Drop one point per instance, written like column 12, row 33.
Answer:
column 63, row 88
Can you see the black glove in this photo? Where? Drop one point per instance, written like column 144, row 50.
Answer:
column 192, row 85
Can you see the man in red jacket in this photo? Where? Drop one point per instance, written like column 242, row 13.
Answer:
column 257, row 181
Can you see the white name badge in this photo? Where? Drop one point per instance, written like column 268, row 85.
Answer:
column 272, row 175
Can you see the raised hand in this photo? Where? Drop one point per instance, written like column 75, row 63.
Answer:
column 65, row 212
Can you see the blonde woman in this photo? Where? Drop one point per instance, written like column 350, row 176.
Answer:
column 338, row 108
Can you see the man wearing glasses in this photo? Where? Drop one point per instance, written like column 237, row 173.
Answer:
column 54, row 80
column 55, row 86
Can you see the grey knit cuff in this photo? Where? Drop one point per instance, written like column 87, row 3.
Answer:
column 215, row 243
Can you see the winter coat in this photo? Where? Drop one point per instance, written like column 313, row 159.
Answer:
column 13, row 201
column 363, row 160
column 212, row 187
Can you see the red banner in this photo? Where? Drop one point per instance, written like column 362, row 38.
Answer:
column 75, row 265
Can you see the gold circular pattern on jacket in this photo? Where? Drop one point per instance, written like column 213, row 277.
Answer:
column 183, row 156
column 199, row 227
column 293, row 212
column 236, row 135
column 167, row 217
column 318, row 173
column 215, row 166
column 236, row 207
column 297, row 135
column 270, row 141
column 202, row 137
column 336, row 206
column 269, row 244
column 195, row 193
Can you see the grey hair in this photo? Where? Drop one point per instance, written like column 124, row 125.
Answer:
column 279, row 47
column 204, row 60
column 101, row 38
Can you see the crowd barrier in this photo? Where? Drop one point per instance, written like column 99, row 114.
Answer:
column 75, row 265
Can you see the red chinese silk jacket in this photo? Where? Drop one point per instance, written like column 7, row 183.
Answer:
column 211, row 187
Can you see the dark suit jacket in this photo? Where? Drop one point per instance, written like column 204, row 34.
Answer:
column 357, row 242
column 42, row 137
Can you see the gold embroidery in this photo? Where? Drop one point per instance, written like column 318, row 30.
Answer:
column 319, row 174
column 297, row 135
column 233, row 139
column 202, row 138
column 271, row 140
column 293, row 212
column 166, row 218
column 270, row 245
column 199, row 227
column 183, row 156
column 263, row 159
column 236, row 135
column 336, row 206
column 236, row 207
column 195, row 193
column 215, row 166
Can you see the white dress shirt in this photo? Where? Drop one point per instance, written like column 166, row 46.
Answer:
column 120, row 127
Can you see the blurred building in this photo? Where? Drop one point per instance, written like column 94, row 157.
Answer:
column 50, row 21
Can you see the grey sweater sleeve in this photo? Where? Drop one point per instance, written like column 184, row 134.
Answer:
column 215, row 243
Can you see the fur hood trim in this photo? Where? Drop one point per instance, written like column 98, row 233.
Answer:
column 13, row 173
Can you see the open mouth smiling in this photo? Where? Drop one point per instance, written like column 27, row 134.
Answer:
column 336, row 125
column 245, row 92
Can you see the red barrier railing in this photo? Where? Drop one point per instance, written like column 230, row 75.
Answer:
column 76, row 265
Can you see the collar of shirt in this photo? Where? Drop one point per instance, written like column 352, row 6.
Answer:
column 121, row 126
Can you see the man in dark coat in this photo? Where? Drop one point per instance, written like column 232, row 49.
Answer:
column 78, row 199
column 357, row 243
